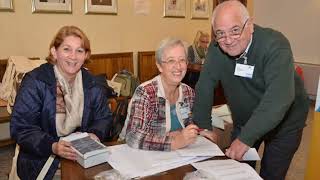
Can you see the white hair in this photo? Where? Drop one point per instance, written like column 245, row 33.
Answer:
column 169, row 43
column 236, row 5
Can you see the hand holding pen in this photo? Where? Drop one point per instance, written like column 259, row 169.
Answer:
column 211, row 135
column 186, row 136
column 191, row 122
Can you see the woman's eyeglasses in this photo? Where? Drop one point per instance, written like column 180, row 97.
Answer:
column 172, row 62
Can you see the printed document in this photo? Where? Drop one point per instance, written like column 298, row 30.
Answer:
column 227, row 170
column 132, row 163
column 202, row 147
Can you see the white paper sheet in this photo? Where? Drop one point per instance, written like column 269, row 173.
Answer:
column 220, row 115
column 227, row 119
column 251, row 155
column 202, row 147
column 221, row 110
column 217, row 121
column 227, row 170
column 132, row 163
column 141, row 7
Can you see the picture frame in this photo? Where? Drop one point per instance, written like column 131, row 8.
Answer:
column 51, row 6
column 6, row 5
column 101, row 7
column 174, row 8
column 200, row 9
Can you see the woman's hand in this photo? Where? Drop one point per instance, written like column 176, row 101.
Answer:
column 94, row 137
column 185, row 137
column 211, row 135
column 64, row 150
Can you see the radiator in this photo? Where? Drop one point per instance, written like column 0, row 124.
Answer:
column 311, row 73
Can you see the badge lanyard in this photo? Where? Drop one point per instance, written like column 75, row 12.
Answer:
column 244, row 70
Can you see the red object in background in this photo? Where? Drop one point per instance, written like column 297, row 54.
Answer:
column 299, row 71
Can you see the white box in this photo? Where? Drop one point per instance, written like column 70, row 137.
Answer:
column 90, row 152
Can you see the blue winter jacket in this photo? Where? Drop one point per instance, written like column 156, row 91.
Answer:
column 33, row 118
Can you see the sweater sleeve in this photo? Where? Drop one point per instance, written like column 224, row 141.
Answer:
column 278, row 95
column 205, row 86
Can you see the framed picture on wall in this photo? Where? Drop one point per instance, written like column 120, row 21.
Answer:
column 101, row 7
column 175, row 8
column 200, row 9
column 51, row 6
column 6, row 5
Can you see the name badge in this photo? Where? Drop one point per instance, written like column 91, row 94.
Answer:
column 185, row 111
column 244, row 70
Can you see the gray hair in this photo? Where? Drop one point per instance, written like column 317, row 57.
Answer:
column 169, row 43
column 236, row 5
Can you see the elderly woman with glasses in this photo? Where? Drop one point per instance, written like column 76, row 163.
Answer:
column 159, row 112
column 265, row 95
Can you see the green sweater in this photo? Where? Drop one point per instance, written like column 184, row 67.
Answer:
column 274, row 98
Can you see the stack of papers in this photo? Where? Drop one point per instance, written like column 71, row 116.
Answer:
column 133, row 163
column 227, row 170
column 219, row 115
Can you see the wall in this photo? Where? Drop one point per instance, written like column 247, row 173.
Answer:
column 24, row 33
column 298, row 20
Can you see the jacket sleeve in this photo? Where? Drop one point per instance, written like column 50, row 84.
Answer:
column 100, row 121
column 279, row 93
column 142, row 131
column 26, row 123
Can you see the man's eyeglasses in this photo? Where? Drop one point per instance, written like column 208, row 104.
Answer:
column 235, row 33
column 172, row 62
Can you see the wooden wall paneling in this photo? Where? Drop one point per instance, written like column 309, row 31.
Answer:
column 96, row 66
column 147, row 68
column 110, row 64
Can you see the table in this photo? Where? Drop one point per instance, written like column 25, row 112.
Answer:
column 71, row 170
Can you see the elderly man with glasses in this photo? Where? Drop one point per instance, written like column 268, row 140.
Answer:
column 265, row 95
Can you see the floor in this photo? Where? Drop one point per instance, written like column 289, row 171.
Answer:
column 296, row 170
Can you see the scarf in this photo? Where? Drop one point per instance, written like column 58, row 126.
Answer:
column 199, row 54
column 69, row 103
